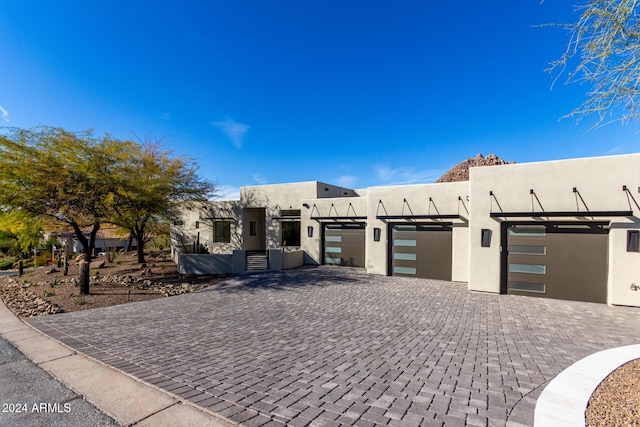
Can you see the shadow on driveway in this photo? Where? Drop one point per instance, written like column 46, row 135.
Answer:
column 301, row 277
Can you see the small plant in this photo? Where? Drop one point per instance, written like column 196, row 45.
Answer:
column 79, row 301
column 117, row 261
column 47, row 294
column 24, row 281
column 96, row 272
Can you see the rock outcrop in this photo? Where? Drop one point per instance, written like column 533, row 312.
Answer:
column 460, row 172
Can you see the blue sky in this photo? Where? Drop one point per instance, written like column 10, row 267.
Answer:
column 355, row 93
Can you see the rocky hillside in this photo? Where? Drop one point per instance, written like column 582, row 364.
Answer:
column 460, row 172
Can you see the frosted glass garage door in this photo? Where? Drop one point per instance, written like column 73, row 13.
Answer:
column 562, row 261
column 344, row 244
column 421, row 250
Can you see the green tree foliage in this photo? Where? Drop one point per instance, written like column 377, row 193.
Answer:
column 81, row 181
column 604, row 52
column 149, row 186
column 20, row 232
column 59, row 175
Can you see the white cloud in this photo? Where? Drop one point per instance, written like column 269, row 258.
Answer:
column 396, row 176
column 228, row 192
column 234, row 130
column 5, row 114
column 347, row 181
column 260, row 179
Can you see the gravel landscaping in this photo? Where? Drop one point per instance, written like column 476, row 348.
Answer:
column 616, row 401
column 47, row 290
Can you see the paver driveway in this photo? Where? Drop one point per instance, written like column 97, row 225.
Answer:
column 330, row 346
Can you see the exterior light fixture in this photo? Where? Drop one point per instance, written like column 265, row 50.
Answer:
column 633, row 240
column 485, row 238
column 376, row 234
column 310, row 231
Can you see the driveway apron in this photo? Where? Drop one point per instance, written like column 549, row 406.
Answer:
column 331, row 346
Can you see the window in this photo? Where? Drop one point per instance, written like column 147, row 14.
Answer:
column 222, row 232
column 253, row 228
column 291, row 233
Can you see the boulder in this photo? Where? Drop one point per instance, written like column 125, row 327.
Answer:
column 98, row 264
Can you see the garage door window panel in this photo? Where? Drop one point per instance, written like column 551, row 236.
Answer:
column 527, row 250
column 526, row 287
column 528, row 268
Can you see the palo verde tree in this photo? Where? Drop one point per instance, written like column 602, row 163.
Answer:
column 20, row 232
column 149, row 186
column 59, row 175
column 604, row 52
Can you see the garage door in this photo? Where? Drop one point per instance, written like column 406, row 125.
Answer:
column 558, row 261
column 344, row 244
column 421, row 250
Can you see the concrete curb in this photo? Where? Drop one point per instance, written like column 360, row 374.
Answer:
column 564, row 401
column 129, row 401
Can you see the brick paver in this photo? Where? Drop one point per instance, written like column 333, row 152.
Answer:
column 334, row 346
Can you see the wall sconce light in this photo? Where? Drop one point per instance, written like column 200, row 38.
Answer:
column 197, row 224
column 306, row 205
column 376, row 234
column 485, row 238
column 310, row 231
column 633, row 240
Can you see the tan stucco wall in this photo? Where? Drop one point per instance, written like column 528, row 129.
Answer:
column 446, row 198
column 189, row 232
column 598, row 180
column 277, row 197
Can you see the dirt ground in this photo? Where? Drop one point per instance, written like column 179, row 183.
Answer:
column 46, row 290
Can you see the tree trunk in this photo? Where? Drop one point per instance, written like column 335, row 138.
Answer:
column 138, row 233
column 140, row 251
column 84, row 277
column 130, row 244
column 88, row 245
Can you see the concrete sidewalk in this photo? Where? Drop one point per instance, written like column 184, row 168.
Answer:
column 128, row 401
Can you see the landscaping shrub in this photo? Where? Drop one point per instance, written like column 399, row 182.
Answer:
column 6, row 264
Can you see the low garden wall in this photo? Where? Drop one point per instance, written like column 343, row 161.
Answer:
column 233, row 263
column 292, row 259
column 204, row 264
